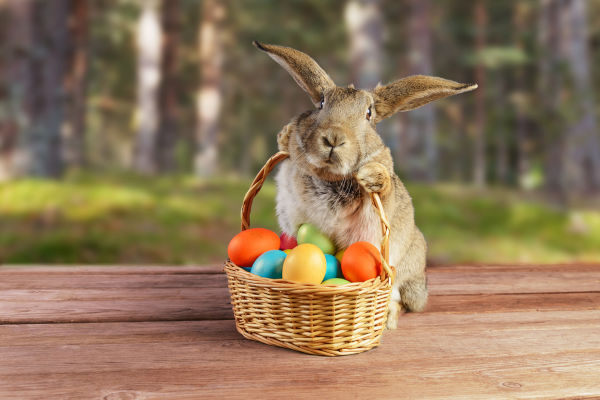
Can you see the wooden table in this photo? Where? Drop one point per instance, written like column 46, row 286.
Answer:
column 167, row 332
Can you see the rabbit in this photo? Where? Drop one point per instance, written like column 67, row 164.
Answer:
column 337, row 159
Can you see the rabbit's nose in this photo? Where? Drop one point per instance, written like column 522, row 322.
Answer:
column 333, row 139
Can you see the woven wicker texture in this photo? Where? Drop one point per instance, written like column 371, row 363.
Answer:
column 314, row 319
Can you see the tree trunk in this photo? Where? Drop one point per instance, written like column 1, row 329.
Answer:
column 572, row 159
column 582, row 158
column 30, row 134
column 479, row 158
column 500, row 132
column 148, row 81
column 459, row 166
column 549, row 85
column 523, row 138
column 76, row 84
column 364, row 24
column 209, row 97
column 169, row 87
column 420, row 129
column 15, row 84
column 48, row 69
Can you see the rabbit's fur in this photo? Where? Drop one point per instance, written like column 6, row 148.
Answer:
column 337, row 159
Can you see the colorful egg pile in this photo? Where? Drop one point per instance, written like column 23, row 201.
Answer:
column 310, row 257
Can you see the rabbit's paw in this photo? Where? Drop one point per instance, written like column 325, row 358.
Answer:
column 394, row 311
column 374, row 177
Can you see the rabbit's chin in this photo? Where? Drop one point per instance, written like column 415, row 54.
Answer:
column 331, row 172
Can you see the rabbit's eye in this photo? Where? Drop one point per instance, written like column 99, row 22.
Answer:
column 322, row 102
column 369, row 114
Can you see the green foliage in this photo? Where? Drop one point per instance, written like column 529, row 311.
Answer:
column 121, row 218
column 463, row 224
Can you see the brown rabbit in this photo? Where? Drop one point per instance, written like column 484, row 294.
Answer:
column 337, row 159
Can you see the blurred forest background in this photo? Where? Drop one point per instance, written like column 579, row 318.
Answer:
column 130, row 129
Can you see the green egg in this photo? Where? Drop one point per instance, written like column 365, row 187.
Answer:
column 335, row 282
column 308, row 233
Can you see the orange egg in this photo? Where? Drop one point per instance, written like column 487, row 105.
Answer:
column 361, row 262
column 246, row 246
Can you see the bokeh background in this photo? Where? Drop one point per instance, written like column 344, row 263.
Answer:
column 130, row 129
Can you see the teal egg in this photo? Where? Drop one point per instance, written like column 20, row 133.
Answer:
column 333, row 268
column 269, row 264
column 246, row 268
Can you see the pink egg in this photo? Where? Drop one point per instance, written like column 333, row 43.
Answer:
column 287, row 242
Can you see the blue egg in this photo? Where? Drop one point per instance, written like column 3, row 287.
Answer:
column 269, row 264
column 333, row 268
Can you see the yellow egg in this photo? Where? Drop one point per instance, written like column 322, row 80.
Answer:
column 305, row 264
column 339, row 255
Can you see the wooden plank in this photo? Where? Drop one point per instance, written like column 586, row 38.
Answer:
column 91, row 305
column 484, row 303
column 77, row 305
column 518, row 279
column 75, row 297
column 467, row 279
column 470, row 356
column 109, row 281
column 112, row 296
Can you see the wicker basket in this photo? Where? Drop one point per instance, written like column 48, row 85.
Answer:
column 322, row 320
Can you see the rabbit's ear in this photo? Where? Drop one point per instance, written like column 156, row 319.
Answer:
column 305, row 71
column 413, row 92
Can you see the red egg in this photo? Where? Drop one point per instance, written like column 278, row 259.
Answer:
column 287, row 242
column 361, row 262
column 246, row 246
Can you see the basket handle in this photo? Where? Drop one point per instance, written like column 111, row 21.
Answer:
column 257, row 184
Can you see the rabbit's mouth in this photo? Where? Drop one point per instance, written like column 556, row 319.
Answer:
column 329, row 169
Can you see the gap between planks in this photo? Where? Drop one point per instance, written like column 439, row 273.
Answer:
column 111, row 269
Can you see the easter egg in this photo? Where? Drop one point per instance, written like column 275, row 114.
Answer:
column 332, row 268
column 335, row 282
column 246, row 246
column 269, row 264
column 308, row 233
column 287, row 242
column 340, row 254
column 305, row 264
column 361, row 262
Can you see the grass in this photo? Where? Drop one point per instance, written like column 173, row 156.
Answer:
column 115, row 219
